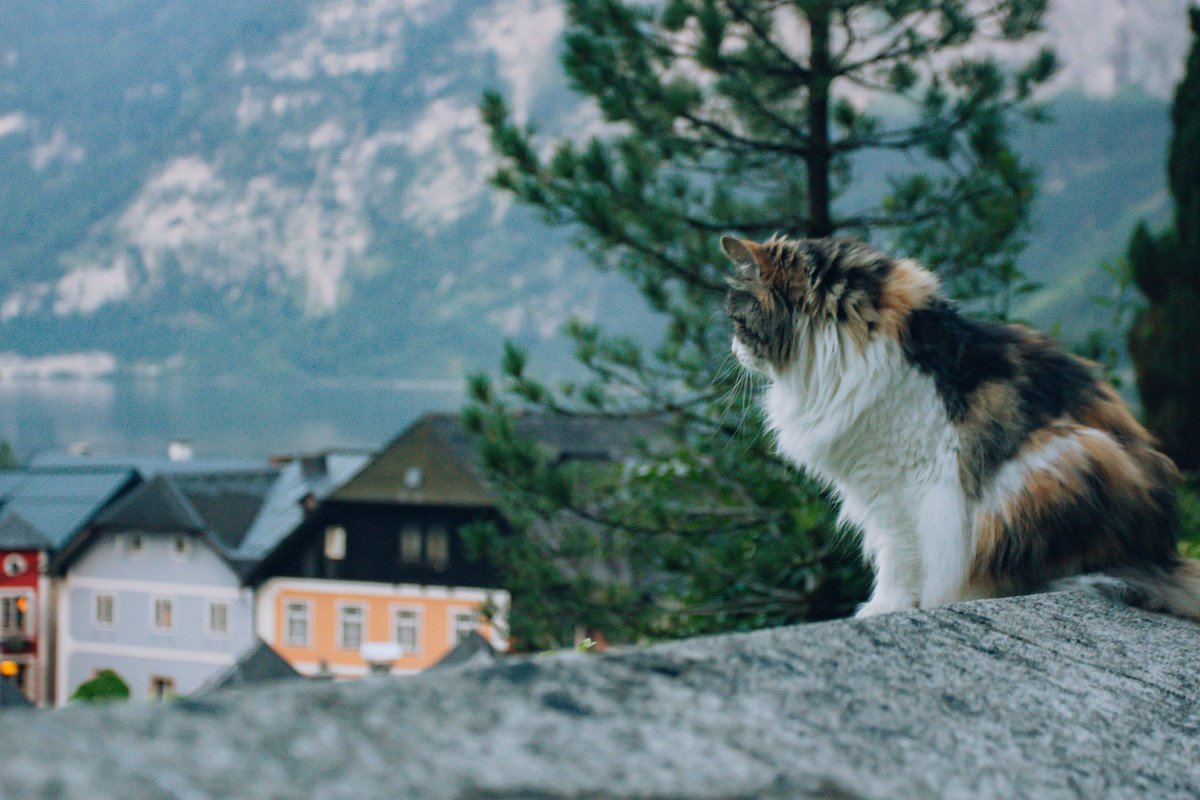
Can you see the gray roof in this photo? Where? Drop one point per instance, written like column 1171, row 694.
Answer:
column 220, row 506
column 59, row 502
column 260, row 664
column 156, row 505
column 17, row 534
column 282, row 511
column 472, row 650
column 242, row 513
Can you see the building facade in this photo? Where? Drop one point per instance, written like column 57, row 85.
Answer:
column 340, row 628
column 41, row 509
column 379, row 573
column 152, row 592
column 24, row 623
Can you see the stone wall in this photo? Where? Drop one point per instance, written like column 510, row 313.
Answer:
column 1048, row 696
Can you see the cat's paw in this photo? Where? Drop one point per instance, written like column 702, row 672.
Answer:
column 884, row 605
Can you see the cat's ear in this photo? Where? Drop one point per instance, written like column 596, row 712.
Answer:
column 741, row 251
column 746, row 253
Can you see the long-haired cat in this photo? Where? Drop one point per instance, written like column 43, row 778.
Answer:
column 978, row 459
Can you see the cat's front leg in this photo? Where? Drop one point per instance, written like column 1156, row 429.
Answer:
column 944, row 542
column 897, row 573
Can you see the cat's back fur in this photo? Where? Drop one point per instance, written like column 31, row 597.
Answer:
column 978, row 458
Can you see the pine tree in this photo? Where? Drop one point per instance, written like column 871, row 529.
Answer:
column 742, row 117
column 1164, row 341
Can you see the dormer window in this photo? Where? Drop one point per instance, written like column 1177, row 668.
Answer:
column 135, row 545
column 181, row 548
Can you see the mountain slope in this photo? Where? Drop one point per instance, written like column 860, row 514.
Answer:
column 301, row 185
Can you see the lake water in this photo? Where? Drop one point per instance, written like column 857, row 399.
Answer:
column 133, row 415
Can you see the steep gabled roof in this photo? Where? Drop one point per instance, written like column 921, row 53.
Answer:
column 17, row 534
column 430, row 463
column 218, row 507
column 260, row 664
column 157, row 505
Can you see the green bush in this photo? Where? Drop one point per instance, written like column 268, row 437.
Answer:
column 107, row 686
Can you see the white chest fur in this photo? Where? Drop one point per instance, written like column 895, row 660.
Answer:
column 873, row 428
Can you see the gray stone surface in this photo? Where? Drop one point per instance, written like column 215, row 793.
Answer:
column 1042, row 697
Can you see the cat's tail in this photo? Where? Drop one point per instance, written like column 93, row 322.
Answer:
column 1173, row 589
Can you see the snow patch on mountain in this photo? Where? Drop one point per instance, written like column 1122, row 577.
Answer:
column 13, row 122
column 524, row 36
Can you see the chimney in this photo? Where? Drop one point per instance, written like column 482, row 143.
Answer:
column 313, row 466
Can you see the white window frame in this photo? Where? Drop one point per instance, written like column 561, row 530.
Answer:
column 308, row 623
column 186, row 553
column 340, row 635
column 128, row 551
column 208, row 618
column 112, row 610
column 452, row 620
column 418, row 615
column 154, row 601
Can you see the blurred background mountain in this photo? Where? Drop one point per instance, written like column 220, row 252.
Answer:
column 300, row 187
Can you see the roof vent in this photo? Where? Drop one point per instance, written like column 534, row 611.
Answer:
column 413, row 478
column 80, row 448
column 180, row 450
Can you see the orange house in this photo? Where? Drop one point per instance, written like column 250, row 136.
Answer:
column 339, row 628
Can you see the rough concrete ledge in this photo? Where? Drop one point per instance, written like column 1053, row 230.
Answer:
column 1041, row 697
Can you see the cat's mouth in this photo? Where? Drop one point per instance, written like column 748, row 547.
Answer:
column 747, row 359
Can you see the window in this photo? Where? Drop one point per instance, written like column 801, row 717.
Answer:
column 410, row 544
column 14, row 615
column 350, row 627
column 462, row 622
column 14, row 564
column 218, row 618
column 437, row 547
column 335, row 543
column 104, row 607
column 406, row 627
column 161, row 688
column 413, row 478
column 161, row 608
column 181, row 548
column 135, row 545
column 296, row 623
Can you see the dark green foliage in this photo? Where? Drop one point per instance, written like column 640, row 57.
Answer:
column 739, row 117
column 1164, row 341
column 107, row 686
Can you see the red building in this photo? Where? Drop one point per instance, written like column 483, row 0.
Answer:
column 24, row 601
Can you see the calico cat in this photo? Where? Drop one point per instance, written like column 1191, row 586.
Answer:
column 978, row 459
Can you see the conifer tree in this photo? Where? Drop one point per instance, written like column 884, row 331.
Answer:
column 1164, row 341
column 743, row 117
